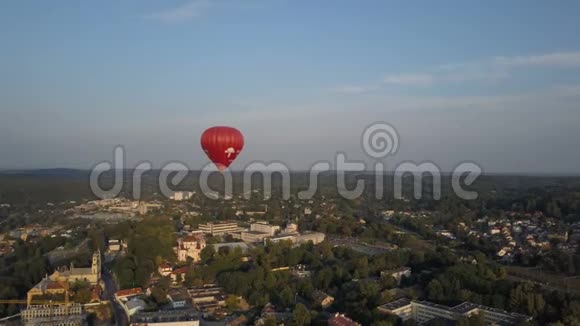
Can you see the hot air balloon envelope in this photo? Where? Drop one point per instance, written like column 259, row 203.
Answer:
column 222, row 145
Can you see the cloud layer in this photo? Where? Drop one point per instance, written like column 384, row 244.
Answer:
column 184, row 12
column 489, row 70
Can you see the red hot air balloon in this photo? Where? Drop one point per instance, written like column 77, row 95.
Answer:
column 222, row 145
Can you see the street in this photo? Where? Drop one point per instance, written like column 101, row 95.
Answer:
column 109, row 293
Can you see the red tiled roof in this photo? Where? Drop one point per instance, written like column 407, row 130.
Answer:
column 96, row 292
column 54, row 286
column 181, row 270
column 341, row 320
column 193, row 238
column 127, row 292
column 165, row 266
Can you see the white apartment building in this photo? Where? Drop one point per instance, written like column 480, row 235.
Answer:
column 424, row 311
column 219, row 228
column 181, row 195
column 264, row 227
column 68, row 315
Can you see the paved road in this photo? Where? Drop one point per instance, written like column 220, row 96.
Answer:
column 110, row 289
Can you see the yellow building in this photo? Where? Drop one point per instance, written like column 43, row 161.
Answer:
column 59, row 282
column 91, row 274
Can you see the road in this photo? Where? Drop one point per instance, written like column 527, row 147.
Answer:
column 109, row 293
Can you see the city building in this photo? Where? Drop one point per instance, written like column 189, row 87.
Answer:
column 253, row 236
column 48, row 286
column 65, row 315
column 264, row 227
column 91, row 274
column 341, row 320
column 145, row 208
column 298, row 238
column 180, row 317
column 134, row 305
column 207, row 298
column 314, row 237
column 282, row 237
column 190, row 246
column 179, row 298
column 322, row 299
column 231, row 246
column 270, row 312
column 165, row 269
column 397, row 273
column 114, row 245
column 123, row 294
column 259, row 231
column 301, row 271
column 59, row 282
column 181, row 195
column 290, row 228
column 424, row 311
column 218, row 229
column 178, row 274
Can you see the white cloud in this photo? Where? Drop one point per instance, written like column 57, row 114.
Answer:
column 556, row 59
column 409, row 79
column 184, row 12
column 488, row 70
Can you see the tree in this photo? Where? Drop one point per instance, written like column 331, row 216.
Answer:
column 190, row 277
column 286, row 297
column 207, row 254
column 232, row 302
column 270, row 321
column 159, row 295
column 83, row 295
column 435, row 291
column 300, row 315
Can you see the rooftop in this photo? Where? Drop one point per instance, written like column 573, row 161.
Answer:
column 394, row 305
column 128, row 292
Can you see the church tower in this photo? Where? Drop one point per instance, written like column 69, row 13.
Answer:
column 96, row 265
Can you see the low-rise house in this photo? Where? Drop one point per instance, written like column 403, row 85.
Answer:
column 114, row 245
column 128, row 293
column 207, row 298
column 179, row 298
column 164, row 269
column 179, row 274
column 180, row 317
column 135, row 305
column 397, row 273
column 322, row 299
column 301, row 271
column 270, row 312
column 341, row 320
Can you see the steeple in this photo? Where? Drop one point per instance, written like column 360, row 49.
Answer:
column 96, row 265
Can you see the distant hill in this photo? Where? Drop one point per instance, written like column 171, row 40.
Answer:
column 57, row 172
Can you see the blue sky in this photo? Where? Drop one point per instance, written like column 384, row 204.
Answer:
column 496, row 82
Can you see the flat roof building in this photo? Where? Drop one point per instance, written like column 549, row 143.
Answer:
column 219, row 228
column 424, row 311
column 264, row 227
column 66, row 315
